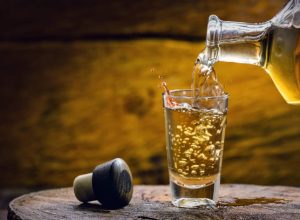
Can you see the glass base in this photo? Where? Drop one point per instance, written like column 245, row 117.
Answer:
column 187, row 196
column 193, row 203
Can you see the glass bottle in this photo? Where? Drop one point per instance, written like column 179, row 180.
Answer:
column 273, row 45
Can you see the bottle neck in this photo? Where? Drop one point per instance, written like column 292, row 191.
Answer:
column 235, row 41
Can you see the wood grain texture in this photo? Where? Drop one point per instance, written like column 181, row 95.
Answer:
column 96, row 19
column 153, row 202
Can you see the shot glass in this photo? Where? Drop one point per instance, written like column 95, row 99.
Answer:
column 195, row 131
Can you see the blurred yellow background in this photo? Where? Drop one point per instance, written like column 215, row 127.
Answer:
column 79, row 86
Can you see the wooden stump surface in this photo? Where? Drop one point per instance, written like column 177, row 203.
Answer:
column 153, row 202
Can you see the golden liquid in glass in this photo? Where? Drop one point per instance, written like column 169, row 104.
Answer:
column 195, row 142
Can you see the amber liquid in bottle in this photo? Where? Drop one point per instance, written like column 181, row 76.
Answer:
column 282, row 62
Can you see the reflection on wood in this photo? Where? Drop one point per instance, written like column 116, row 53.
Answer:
column 68, row 107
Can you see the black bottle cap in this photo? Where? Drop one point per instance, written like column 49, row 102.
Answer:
column 112, row 183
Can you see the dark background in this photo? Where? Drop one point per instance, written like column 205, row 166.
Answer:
column 79, row 86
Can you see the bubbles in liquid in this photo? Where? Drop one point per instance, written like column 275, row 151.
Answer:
column 195, row 147
column 185, row 105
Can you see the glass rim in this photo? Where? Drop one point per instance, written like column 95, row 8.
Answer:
column 224, row 96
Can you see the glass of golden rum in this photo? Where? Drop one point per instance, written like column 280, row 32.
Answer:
column 195, row 131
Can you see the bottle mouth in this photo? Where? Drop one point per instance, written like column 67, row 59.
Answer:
column 213, row 30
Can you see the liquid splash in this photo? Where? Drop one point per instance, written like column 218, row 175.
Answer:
column 170, row 101
column 205, row 82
